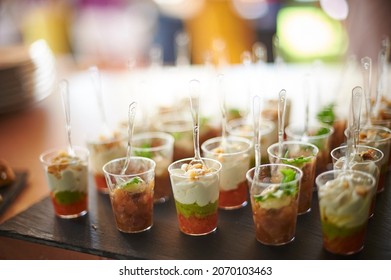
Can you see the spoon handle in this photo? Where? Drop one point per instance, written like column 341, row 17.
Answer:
column 356, row 113
column 257, row 134
column 366, row 63
column 96, row 81
column 131, row 116
column 281, row 119
column 194, row 105
column 64, row 89
column 223, row 109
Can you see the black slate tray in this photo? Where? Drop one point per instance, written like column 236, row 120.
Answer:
column 96, row 234
column 10, row 192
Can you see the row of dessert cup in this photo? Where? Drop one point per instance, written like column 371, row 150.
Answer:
column 284, row 190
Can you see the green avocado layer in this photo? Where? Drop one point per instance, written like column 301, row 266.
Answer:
column 332, row 231
column 194, row 209
column 68, row 197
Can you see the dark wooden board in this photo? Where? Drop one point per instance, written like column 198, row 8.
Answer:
column 96, row 234
column 9, row 193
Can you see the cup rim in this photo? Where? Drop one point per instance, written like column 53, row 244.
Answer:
column 290, row 133
column 365, row 174
column 187, row 160
column 378, row 127
column 299, row 171
column 316, row 149
column 64, row 149
column 150, row 135
column 358, row 146
column 230, row 137
column 270, row 126
column 124, row 159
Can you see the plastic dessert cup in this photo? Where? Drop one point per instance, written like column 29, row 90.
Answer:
column 367, row 159
column 181, row 128
column 274, row 201
column 241, row 128
column 196, row 194
column 318, row 135
column 159, row 147
column 377, row 137
column 102, row 150
column 345, row 197
column 235, row 160
column 131, row 194
column 303, row 156
column 67, row 177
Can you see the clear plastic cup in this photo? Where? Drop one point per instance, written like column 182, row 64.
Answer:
column 131, row 194
column 104, row 148
column 274, row 202
column 301, row 155
column 159, row 147
column 235, row 160
column 196, row 195
column 345, row 197
column 67, row 177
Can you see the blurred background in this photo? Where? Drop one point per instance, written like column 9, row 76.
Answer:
column 110, row 33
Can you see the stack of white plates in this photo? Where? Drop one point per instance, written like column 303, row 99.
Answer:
column 27, row 75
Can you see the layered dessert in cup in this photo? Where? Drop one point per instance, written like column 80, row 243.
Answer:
column 104, row 148
column 196, row 194
column 366, row 159
column 303, row 156
column 274, row 202
column 131, row 193
column 181, row 128
column 378, row 137
column 234, row 156
column 67, row 177
column 345, row 197
column 318, row 135
column 243, row 128
column 159, row 147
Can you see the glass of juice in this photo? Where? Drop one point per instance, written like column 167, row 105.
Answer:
column 196, row 194
column 274, row 200
column 131, row 193
column 345, row 197
column 104, row 148
column 302, row 155
column 234, row 156
column 67, row 177
column 365, row 159
column 159, row 147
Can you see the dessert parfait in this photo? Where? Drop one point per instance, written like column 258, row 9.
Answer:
column 67, row 177
column 196, row 193
column 234, row 156
column 274, row 200
column 365, row 159
column 131, row 194
column 344, row 201
column 104, row 148
column 303, row 156
column 157, row 146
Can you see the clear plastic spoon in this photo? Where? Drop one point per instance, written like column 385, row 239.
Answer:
column 281, row 119
column 366, row 63
column 64, row 89
column 354, row 127
column 257, row 136
column 223, row 109
column 194, row 105
column 307, row 93
column 131, row 116
column 96, row 81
